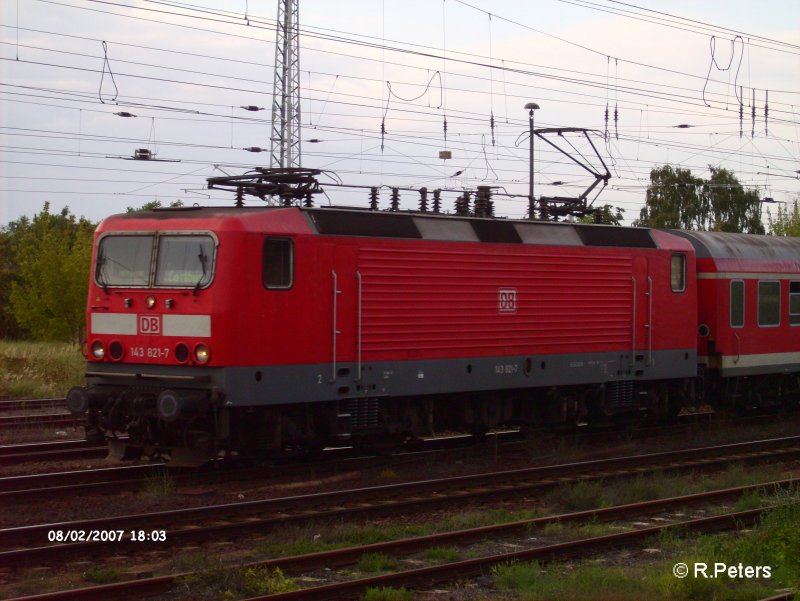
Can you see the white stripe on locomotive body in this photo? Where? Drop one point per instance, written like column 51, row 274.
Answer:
column 187, row 325
column 727, row 275
column 124, row 324
column 755, row 360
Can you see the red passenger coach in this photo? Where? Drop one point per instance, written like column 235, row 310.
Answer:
column 749, row 314
column 257, row 330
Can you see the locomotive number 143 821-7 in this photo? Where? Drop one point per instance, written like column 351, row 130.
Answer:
column 151, row 352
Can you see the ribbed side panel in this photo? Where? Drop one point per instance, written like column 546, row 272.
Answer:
column 450, row 301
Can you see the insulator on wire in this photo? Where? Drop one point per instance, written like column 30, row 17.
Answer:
column 462, row 204
column 616, row 122
column 606, row 120
column 373, row 198
column 383, row 132
column 423, row 200
column 753, row 115
column 741, row 112
column 444, row 128
column 491, row 125
column 395, row 199
column 437, row 200
column 766, row 112
column 484, row 207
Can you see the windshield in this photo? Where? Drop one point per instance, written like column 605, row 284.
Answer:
column 182, row 260
column 124, row 261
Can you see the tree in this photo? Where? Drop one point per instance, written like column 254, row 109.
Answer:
column 9, row 328
column 52, row 255
column 787, row 222
column 731, row 207
column 673, row 200
column 607, row 215
column 154, row 204
column 677, row 199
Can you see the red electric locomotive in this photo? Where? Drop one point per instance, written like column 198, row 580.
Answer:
column 257, row 330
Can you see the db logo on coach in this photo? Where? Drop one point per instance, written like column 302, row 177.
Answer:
column 150, row 325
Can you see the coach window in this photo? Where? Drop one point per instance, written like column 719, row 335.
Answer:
column 278, row 271
column 678, row 273
column 737, row 304
column 794, row 303
column 769, row 304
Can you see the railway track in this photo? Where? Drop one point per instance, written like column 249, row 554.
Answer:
column 25, row 404
column 38, row 420
column 458, row 570
column 181, row 526
column 51, row 451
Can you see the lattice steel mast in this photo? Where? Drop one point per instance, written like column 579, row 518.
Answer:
column 285, row 138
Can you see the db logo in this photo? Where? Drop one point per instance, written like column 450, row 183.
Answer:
column 507, row 300
column 150, row 324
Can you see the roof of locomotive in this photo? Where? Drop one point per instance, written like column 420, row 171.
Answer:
column 348, row 221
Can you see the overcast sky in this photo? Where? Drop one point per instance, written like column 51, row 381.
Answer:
column 677, row 80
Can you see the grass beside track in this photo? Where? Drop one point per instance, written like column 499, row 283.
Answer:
column 774, row 542
column 39, row 369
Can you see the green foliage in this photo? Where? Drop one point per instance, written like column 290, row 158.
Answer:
column 533, row 581
column 787, row 221
column 677, row 199
column 387, row 594
column 102, row 575
column 376, row 562
column 39, row 369
column 442, row 554
column 211, row 579
column 607, row 215
column 51, row 255
column 152, row 205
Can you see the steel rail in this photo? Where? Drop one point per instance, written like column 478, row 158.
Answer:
column 48, row 419
column 51, row 451
column 350, row 555
column 264, row 514
column 459, row 570
column 23, row 404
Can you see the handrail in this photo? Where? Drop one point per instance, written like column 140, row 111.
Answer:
column 633, row 336
column 358, row 325
column 336, row 332
column 649, row 321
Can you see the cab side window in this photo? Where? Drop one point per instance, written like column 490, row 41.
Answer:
column 278, row 264
column 678, row 273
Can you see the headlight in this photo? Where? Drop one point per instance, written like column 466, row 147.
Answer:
column 201, row 353
column 150, row 302
column 98, row 350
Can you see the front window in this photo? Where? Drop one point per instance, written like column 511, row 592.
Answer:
column 184, row 261
column 124, row 260
column 181, row 260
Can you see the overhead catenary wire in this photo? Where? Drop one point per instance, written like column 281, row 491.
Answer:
column 419, row 114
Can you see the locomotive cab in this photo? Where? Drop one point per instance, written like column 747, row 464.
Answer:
column 151, row 300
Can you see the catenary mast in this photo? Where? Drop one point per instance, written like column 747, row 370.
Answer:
column 285, row 138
